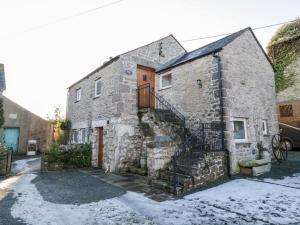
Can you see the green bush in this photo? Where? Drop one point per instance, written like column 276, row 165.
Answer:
column 74, row 156
column 54, row 154
column 3, row 151
column 77, row 156
column 65, row 124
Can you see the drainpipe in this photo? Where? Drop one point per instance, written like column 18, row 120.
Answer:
column 216, row 56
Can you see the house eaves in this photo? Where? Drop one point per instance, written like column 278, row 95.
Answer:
column 201, row 52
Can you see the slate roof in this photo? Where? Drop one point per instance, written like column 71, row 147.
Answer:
column 200, row 52
column 2, row 78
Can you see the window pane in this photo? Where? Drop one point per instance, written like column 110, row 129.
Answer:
column 83, row 135
column 239, row 130
column 98, row 87
column 286, row 110
column 264, row 127
column 166, row 80
column 78, row 94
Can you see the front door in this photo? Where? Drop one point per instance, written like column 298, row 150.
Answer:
column 11, row 138
column 145, row 83
column 100, row 146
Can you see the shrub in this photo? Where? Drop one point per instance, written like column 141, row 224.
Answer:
column 74, row 156
column 65, row 124
column 3, row 151
column 54, row 153
column 77, row 156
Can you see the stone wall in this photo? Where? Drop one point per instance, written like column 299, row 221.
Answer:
column 210, row 167
column 115, row 109
column 249, row 84
column 159, row 144
column 197, row 104
column 31, row 126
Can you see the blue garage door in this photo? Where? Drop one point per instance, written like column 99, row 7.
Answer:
column 11, row 138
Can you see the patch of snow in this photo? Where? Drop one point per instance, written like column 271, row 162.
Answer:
column 22, row 166
column 7, row 183
column 33, row 209
column 293, row 181
column 238, row 201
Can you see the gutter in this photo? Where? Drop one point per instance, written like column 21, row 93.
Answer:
column 215, row 55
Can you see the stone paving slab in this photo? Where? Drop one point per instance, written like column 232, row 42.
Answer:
column 131, row 182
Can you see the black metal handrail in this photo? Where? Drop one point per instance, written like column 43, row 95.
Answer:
column 159, row 103
column 207, row 137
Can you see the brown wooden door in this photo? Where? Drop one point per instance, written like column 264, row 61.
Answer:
column 100, row 146
column 145, row 83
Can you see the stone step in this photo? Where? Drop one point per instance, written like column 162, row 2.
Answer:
column 183, row 180
column 165, row 186
column 136, row 170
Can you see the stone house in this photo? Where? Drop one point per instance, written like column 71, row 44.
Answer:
column 21, row 125
column 161, row 103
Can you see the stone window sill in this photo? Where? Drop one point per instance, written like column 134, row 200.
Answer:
column 242, row 142
column 164, row 88
column 96, row 97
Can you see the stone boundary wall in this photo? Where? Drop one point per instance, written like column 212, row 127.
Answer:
column 213, row 167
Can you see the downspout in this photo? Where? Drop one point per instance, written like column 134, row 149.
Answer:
column 220, row 78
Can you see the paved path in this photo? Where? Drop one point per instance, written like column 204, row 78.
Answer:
column 130, row 182
column 90, row 197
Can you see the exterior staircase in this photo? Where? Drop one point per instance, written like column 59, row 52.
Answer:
column 199, row 158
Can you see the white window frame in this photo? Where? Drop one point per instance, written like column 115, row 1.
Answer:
column 96, row 83
column 75, row 136
column 78, row 94
column 244, row 120
column 160, row 81
column 264, row 128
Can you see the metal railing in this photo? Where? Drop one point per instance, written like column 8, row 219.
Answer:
column 206, row 138
column 148, row 98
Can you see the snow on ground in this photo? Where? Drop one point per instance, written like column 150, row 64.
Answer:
column 33, row 209
column 293, row 181
column 22, row 166
column 236, row 202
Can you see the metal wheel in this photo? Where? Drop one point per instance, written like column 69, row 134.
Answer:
column 284, row 150
column 289, row 144
column 276, row 147
column 280, row 148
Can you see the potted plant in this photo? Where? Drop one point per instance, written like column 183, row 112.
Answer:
column 263, row 152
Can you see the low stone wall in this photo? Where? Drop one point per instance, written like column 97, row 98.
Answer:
column 212, row 168
column 160, row 145
column 157, row 159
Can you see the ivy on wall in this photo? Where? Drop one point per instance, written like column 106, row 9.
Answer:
column 283, row 49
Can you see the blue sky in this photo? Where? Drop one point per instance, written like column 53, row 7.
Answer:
column 40, row 64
